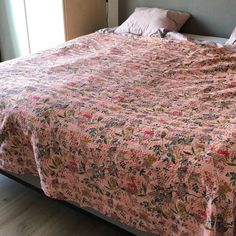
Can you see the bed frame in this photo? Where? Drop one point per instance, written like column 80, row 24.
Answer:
column 33, row 183
column 209, row 17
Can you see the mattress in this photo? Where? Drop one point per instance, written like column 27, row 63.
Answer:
column 140, row 129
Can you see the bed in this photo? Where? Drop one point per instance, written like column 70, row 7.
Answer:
column 139, row 129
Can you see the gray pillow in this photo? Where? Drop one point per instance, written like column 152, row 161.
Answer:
column 149, row 21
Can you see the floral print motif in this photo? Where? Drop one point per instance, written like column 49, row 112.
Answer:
column 140, row 129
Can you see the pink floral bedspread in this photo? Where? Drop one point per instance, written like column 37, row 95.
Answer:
column 141, row 129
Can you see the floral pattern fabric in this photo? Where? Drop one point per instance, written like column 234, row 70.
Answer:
column 141, row 129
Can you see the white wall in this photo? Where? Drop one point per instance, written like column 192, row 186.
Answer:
column 13, row 33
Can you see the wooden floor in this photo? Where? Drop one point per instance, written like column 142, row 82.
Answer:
column 24, row 212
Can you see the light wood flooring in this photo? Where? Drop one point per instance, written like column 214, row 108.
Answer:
column 24, row 212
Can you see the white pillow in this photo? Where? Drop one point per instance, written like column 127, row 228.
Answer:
column 232, row 39
column 148, row 21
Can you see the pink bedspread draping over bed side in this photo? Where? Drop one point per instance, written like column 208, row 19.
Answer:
column 141, row 129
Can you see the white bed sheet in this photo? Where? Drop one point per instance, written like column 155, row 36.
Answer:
column 206, row 38
column 180, row 36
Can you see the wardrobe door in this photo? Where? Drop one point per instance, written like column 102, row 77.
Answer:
column 84, row 17
column 45, row 21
